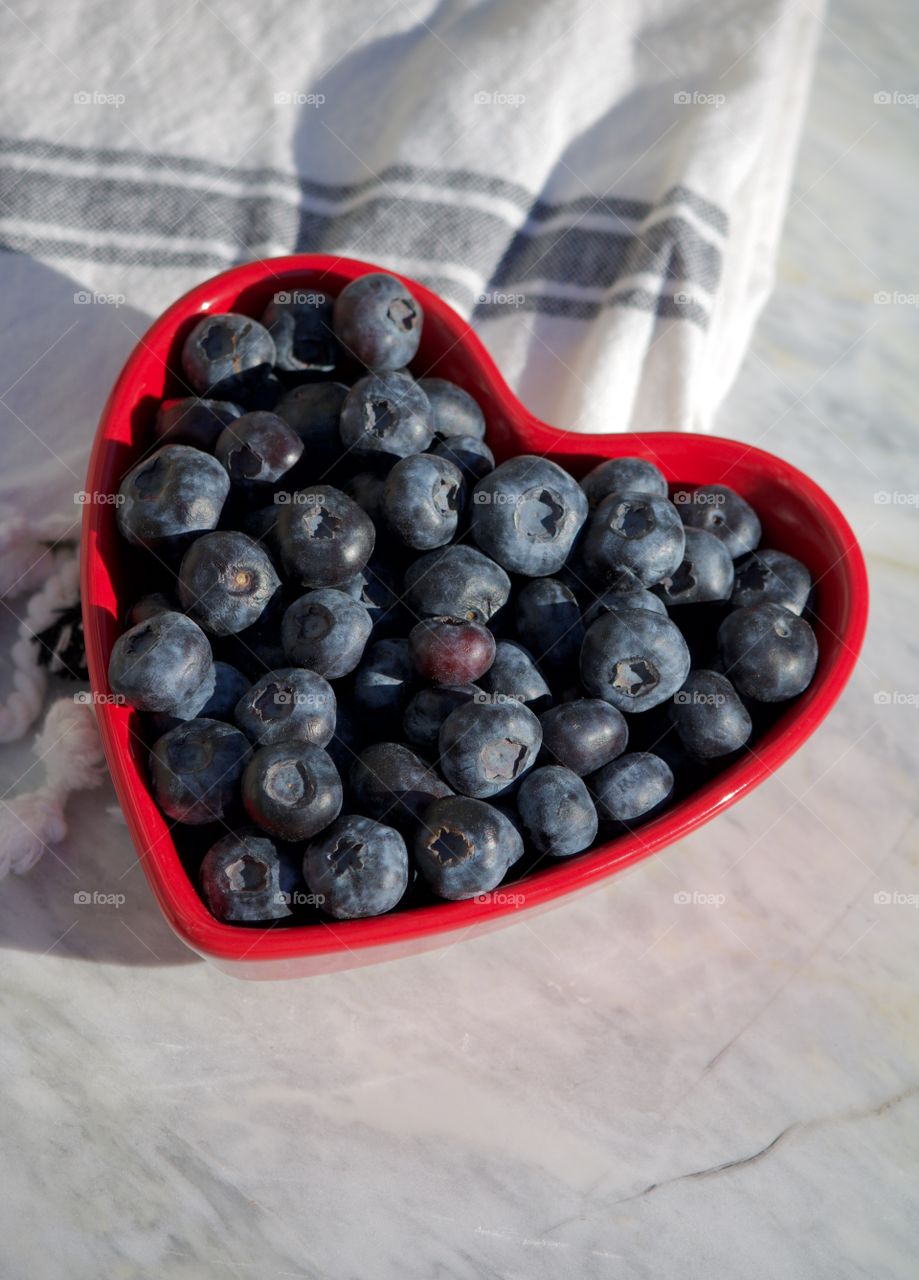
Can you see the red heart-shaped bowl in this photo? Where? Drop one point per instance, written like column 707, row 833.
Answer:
column 797, row 517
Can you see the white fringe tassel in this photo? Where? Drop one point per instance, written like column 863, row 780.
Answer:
column 69, row 748
column 68, row 744
column 30, row 681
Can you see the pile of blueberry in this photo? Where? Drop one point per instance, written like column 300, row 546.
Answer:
column 374, row 666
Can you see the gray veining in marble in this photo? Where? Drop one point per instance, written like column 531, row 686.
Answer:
column 627, row 1086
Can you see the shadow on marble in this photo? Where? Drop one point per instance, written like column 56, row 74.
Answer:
column 130, row 933
column 88, row 897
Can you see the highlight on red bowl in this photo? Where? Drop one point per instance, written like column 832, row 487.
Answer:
column 797, row 517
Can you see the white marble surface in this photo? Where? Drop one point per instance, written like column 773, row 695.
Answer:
column 625, row 1087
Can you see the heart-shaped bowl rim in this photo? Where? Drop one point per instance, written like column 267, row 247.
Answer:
column 790, row 504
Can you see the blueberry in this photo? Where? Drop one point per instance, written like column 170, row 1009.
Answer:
column 225, row 354
column 301, row 327
column 429, row 708
column 149, row 606
column 549, row 624
column 455, row 411
column 174, row 493
column 194, row 422
column 632, row 540
column 326, row 631
column 583, row 735
column 376, row 588
column 772, row 577
column 471, row 456
column 381, row 681
column 709, row 717
column 722, row 512
column 456, row 580
column 464, row 847
column 611, row 601
column 635, row 659
column 508, row 810
column 195, row 770
column 386, row 413
column 225, row 582
column 357, row 868
column 631, row 787
column 390, row 783
column 557, row 812
column 378, row 321
column 163, row 664
column 689, row 771
column 156, row 723
column 526, row 515
column 291, row 789
column 623, row 475
column 768, row 653
column 421, row 500
column 288, row 705
column 258, row 448
column 699, row 624
column 575, row 575
column 242, row 879
column 229, row 687
column 485, row 747
column 366, row 489
column 259, row 649
column 705, row 574
column 261, row 391
column 514, row 674
column 261, row 525
column 347, row 741
column 451, row 650
column 313, row 411
column 325, row 538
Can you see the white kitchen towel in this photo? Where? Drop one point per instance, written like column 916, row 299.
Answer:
column 600, row 187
